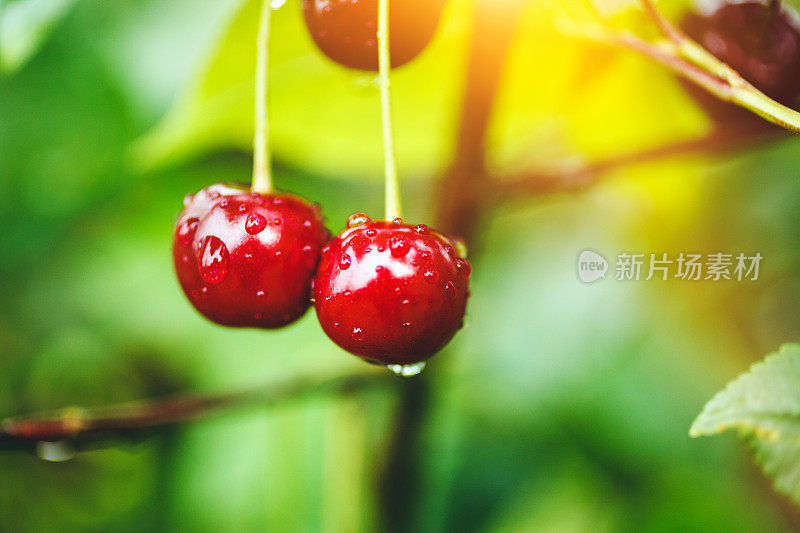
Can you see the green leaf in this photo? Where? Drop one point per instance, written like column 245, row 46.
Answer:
column 763, row 405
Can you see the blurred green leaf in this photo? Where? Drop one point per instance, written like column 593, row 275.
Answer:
column 764, row 406
column 24, row 27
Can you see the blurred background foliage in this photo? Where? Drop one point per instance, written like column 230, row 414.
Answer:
column 560, row 407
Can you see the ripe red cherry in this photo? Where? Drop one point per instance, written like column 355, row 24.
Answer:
column 390, row 292
column 345, row 30
column 759, row 41
column 246, row 259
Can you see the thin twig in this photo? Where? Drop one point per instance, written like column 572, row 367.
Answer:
column 584, row 176
column 739, row 90
column 671, row 31
column 80, row 424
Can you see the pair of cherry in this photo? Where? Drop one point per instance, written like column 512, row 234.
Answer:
column 389, row 292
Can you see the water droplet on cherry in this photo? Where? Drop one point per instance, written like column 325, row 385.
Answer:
column 399, row 246
column 255, row 223
column 186, row 231
column 214, row 260
column 357, row 219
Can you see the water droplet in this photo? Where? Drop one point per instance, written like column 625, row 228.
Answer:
column 224, row 203
column 422, row 229
column 463, row 267
column 358, row 334
column 276, row 221
column 450, row 289
column 406, row 301
column 448, row 249
column 242, row 208
column 326, row 248
column 344, row 262
column 255, row 223
column 56, row 452
column 347, row 293
column 406, row 325
column 461, row 248
column 312, row 300
column 214, row 260
column 307, row 249
column 307, row 224
column 185, row 259
column 407, row 371
column 371, row 232
column 399, row 246
column 204, row 291
column 397, row 220
column 186, row 230
column 379, row 269
column 187, row 200
column 381, row 248
column 430, row 276
column 425, row 254
column 336, row 324
column 278, row 254
column 357, row 219
column 260, row 293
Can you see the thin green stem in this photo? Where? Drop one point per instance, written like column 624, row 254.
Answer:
column 262, row 173
column 393, row 204
column 737, row 90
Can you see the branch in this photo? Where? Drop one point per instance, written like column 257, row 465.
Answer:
column 582, row 177
column 130, row 420
column 739, row 91
column 686, row 58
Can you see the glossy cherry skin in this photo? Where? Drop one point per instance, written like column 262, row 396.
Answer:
column 761, row 43
column 390, row 292
column 246, row 259
column 346, row 30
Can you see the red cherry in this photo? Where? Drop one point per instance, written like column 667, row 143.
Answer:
column 391, row 292
column 759, row 41
column 346, row 30
column 246, row 259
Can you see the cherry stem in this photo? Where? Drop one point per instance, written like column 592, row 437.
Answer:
column 262, row 173
column 392, row 201
column 686, row 57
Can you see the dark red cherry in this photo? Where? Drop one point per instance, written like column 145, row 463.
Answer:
column 761, row 42
column 346, row 30
column 391, row 292
column 246, row 259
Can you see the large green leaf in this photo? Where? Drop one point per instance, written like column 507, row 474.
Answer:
column 763, row 405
